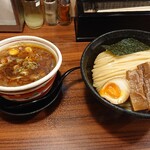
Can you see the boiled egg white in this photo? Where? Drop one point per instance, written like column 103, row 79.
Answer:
column 116, row 90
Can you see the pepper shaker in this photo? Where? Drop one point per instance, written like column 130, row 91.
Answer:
column 50, row 7
column 64, row 17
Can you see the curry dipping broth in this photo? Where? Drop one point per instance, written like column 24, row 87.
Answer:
column 24, row 63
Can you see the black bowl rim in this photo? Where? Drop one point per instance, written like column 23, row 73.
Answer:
column 92, row 89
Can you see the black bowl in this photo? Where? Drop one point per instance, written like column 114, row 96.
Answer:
column 94, row 48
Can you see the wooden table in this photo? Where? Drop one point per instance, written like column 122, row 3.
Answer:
column 76, row 120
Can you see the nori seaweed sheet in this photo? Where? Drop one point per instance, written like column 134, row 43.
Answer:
column 126, row 46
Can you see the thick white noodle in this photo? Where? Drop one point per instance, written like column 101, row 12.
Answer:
column 108, row 66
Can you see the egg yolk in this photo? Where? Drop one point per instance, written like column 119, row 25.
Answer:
column 112, row 90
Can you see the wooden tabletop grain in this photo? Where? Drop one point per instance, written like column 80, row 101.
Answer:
column 76, row 120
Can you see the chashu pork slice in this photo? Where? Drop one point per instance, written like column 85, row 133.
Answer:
column 145, row 67
column 137, row 93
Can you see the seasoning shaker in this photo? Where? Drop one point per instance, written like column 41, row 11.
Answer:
column 50, row 10
column 33, row 14
column 64, row 7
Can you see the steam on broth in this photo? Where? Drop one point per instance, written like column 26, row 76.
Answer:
column 24, row 63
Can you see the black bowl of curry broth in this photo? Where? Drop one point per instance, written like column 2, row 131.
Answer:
column 28, row 67
column 90, row 54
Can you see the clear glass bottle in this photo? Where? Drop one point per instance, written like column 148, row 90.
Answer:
column 64, row 7
column 50, row 10
column 33, row 13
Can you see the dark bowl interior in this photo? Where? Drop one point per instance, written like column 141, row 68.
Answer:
column 94, row 48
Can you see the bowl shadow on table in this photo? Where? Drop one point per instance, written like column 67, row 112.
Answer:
column 35, row 117
column 116, row 123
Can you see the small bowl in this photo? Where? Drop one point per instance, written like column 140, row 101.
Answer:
column 91, row 52
column 37, row 88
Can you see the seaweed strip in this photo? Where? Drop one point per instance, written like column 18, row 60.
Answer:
column 126, row 46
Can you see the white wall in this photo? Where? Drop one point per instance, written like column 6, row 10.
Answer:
column 6, row 13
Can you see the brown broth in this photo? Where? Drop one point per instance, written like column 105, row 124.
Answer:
column 24, row 64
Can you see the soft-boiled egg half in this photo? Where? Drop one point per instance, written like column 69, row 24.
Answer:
column 116, row 90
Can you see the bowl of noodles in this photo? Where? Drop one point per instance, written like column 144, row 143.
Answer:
column 116, row 69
